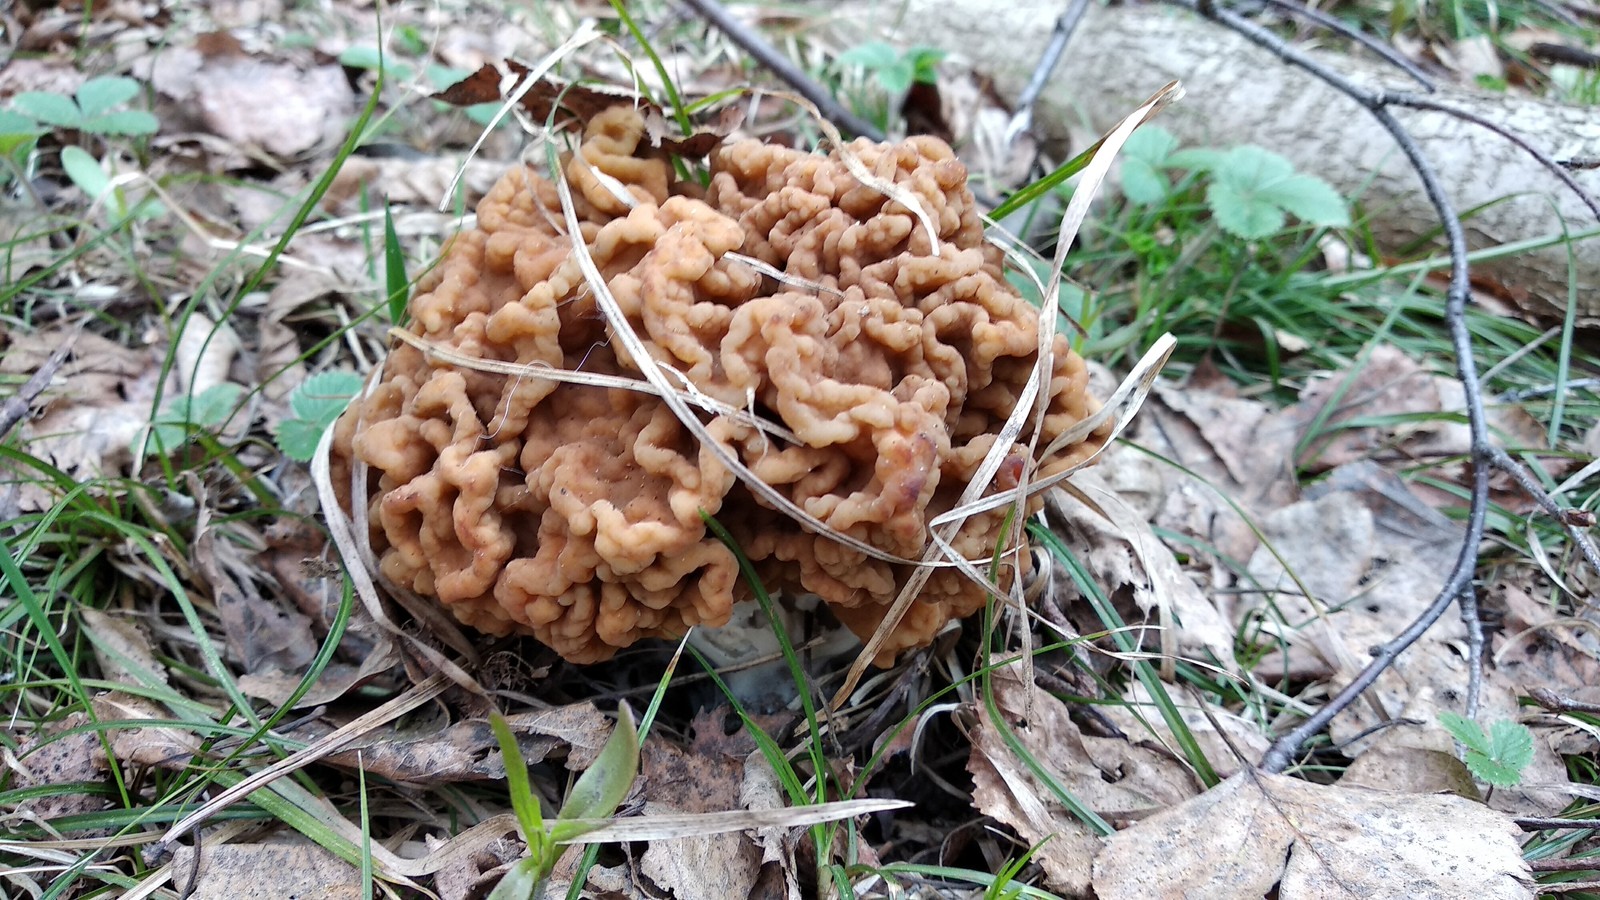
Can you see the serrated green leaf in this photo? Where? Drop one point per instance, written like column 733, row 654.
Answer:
column 1311, row 200
column 298, row 438
column 870, row 55
column 1511, row 743
column 1253, row 166
column 99, row 95
column 1142, row 183
column 1492, row 771
column 51, row 109
column 212, row 406
column 1151, row 144
column 1242, row 213
column 602, row 787
column 323, row 396
column 1195, row 159
column 896, row 77
column 1463, row 729
column 124, row 123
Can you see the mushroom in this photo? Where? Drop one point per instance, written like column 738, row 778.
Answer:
column 835, row 354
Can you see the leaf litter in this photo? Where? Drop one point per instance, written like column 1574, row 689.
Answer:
column 1320, row 575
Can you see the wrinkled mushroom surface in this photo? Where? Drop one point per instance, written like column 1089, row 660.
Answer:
column 573, row 512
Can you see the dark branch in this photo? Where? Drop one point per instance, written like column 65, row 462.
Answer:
column 1022, row 119
column 781, row 66
column 1459, row 582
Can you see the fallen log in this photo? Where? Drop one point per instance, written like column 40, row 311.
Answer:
column 1240, row 93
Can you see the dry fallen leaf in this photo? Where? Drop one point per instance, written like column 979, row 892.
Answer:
column 1125, row 558
column 263, row 634
column 467, row 751
column 1239, row 451
column 1114, row 778
column 45, row 759
column 699, row 779
column 1256, row 831
column 224, row 92
column 263, row 872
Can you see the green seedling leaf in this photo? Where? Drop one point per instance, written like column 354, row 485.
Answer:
column 367, row 57
column 17, row 130
column 896, row 77
column 1195, row 159
column 315, row 403
column 526, row 805
column 85, row 172
column 99, row 95
column 94, row 109
column 1253, row 188
column 323, row 396
column 206, row 410
column 872, row 55
column 600, row 790
column 525, row 881
column 1498, row 757
column 124, row 123
column 394, row 267
column 1463, row 729
column 211, row 407
column 51, row 109
column 1144, row 157
column 925, row 63
column 91, row 178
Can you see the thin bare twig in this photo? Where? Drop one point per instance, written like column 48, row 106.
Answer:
column 1339, row 26
column 1557, row 703
column 16, row 405
column 1022, row 119
column 1536, row 823
column 1459, row 581
column 1412, row 101
column 754, row 44
column 1502, row 460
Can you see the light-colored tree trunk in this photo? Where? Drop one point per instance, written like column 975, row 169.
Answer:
column 1239, row 93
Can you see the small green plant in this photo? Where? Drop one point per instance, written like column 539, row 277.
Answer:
column 1005, row 886
column 895, row 70
column 205, row 411
column 1251, row 189
column 94, row 109
column 17, row 131
column 316, row 402
column 596, row 795
column 1497, row 757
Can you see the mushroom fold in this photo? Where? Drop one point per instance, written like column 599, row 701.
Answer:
column 573, row 512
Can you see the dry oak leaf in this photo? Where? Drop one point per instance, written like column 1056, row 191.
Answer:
column 1255, row 831
column 1114, row 778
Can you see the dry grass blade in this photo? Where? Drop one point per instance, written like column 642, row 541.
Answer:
column 666, row 827
column 428, row 689
column 592, row 379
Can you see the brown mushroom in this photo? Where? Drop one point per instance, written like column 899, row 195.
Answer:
column 573, row 512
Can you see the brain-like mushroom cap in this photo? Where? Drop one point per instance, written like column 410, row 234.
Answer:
column 573, row 512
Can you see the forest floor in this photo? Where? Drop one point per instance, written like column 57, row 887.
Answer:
column 212, row 215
